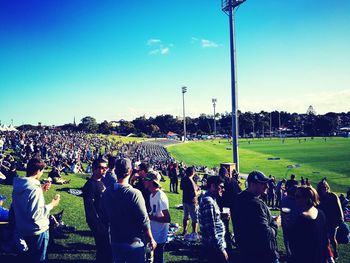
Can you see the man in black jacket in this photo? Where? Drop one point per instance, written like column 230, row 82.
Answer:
column 92, row 194
column 256, row 229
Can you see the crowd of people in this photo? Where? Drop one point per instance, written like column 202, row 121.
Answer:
column 128, row 213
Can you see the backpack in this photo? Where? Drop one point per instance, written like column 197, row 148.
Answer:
column 343, row 234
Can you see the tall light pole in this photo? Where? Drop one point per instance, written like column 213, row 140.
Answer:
column 184, row 90
column 279, row 123
column 228, row 7
column 270, row 124
column 214, row 100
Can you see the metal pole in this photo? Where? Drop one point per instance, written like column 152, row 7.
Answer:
column 279, row 123
column 270, row 124
column 214, row 100
column 184, row 89
column 214, row 122
column 233, row 88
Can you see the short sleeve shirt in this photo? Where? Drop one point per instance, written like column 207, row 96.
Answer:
column 159, row 202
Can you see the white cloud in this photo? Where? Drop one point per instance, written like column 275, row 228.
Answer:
column 164, row 51
column 208, row 44
column 194, row 40
column 158, row 48
column 153, row 41
column 154, row 52
column 204, row 43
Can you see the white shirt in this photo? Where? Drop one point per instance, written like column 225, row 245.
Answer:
column 159, row 202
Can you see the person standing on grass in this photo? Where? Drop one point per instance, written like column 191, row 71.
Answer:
column 137, row 182
column 256, row 229
column 174, row 174
column 211, row 225
column 190, row 193
column 31, row 213
column 279, row 192
column 159, row 216
column 228, row 200
column 124, row 211
column 330, row 205
column 92, row 193
column 109, row 177
column 308, row 236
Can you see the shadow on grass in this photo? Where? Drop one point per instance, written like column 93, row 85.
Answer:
column 69, row 261
column 193, row 252
column 84, row 233
column 71, row 248
column 24, row 258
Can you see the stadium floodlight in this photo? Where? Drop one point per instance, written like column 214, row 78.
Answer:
column 214, row 100
column 184, row 90
column 228, row 6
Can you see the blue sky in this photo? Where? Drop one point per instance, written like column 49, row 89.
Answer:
column 127, row 58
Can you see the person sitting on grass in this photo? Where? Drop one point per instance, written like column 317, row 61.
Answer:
column 55, row 175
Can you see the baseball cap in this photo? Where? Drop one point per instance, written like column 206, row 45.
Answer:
column 153, row 176
column 122, row 166
column 257, row 176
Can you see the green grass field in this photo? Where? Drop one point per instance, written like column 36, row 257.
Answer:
column 326, row 158
column 318, row 158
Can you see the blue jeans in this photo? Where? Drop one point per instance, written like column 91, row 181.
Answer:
column 158, row 256
column 37, row 247
column 124, row 252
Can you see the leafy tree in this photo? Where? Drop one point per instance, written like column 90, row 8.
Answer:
column 104, row 128
column 88, row 124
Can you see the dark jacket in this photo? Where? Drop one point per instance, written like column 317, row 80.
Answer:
column 92, row 193
column 256, row 230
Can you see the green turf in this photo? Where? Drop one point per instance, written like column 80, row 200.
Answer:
column 316, row 155
column 318, row 158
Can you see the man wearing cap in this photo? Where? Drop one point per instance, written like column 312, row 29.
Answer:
column 92, row 194
column 211, row 225
column 124, row 210
column 159, row 216
column 256, row 230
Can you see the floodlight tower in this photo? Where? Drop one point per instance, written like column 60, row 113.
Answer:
column 184, row 90
column 214, row 100
column 228, row 6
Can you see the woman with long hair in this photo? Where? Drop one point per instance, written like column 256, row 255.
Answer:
column 330, row 205
column 308, row 238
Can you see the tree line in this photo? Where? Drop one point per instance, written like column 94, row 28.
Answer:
column 261, row 124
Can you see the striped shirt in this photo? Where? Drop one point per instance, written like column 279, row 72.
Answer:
column 211, row 226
